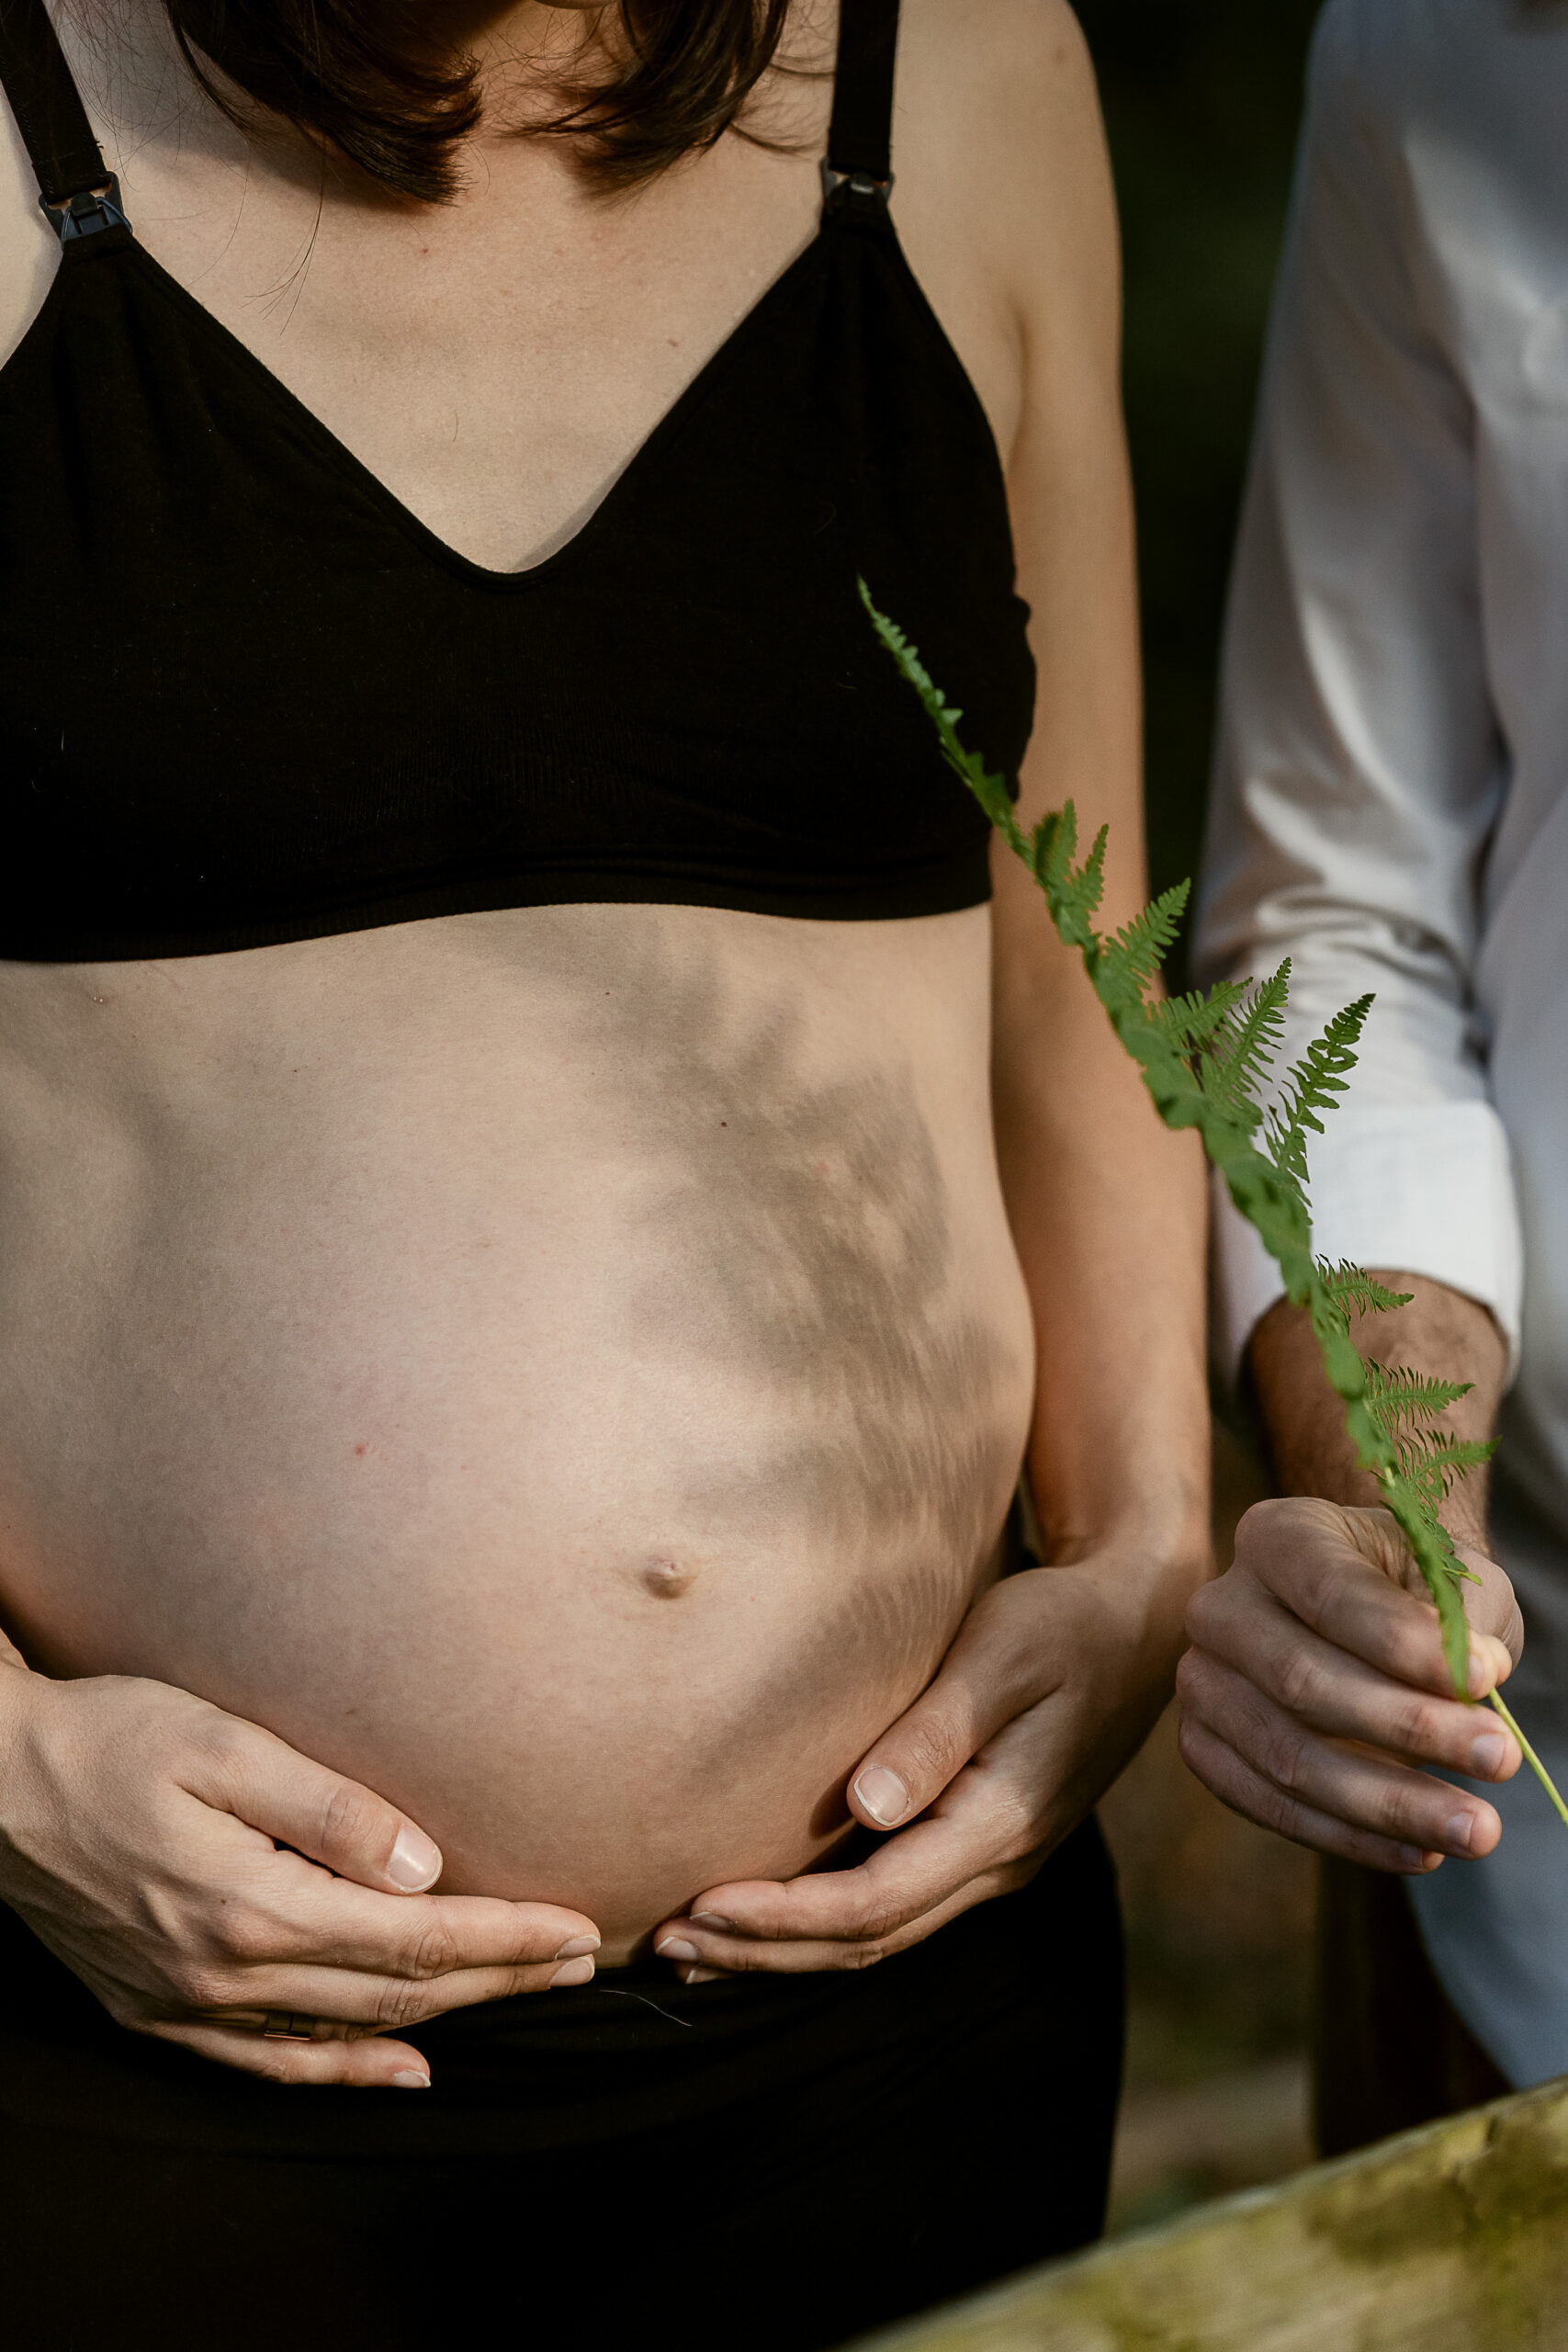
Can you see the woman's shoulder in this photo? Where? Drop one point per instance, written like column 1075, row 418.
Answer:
column 1004, row 198
column 1003, row 77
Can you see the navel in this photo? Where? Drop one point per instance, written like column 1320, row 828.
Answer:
column 666, row 1578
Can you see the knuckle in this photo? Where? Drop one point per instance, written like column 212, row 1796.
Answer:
column 1018, row 1828
column 432, row 1950
column 873, row 1920
column 220, row 1740
column 351, row 1820
column 1417, row 1724
column 1204, row 1609
column 246, row 1938
column 198, row 1985
column 1273, row 1809
column 1282, row 1757
column 1194, row 1678
column 1260, row 1524
column 1193, row 1745
column 1298, row 1680
column 276, row 2064
column 929, row 1750
column 398, row 2004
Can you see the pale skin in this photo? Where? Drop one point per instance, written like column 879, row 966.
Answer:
column 1316, row 1689
column 501, row 1572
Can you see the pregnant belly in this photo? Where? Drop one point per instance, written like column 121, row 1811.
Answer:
column 595, row 1493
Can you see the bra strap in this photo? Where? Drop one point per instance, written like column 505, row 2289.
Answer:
column 858, row 167
column 78, row 195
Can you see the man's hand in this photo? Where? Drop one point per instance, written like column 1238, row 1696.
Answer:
column 202, row 1877
column 1052, row 1683
column 1316, row 1686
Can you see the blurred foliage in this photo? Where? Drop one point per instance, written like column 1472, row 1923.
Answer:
column 1203, row 99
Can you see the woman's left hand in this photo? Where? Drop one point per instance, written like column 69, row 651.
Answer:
column 1050, row 1687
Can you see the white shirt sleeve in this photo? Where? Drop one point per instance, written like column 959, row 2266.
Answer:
column 1359, row 767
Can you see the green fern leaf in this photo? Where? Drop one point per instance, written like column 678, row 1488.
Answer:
column 1311, row 1086
column 1351, row 1287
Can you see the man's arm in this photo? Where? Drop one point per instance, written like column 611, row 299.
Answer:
column 1357, row 782
column 1440, row 1333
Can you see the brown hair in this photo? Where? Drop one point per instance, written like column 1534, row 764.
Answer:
column 360, row 76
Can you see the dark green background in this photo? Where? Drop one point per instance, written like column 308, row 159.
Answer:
column 1202, row 101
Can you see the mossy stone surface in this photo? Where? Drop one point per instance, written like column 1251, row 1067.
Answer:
column 1450, row 2239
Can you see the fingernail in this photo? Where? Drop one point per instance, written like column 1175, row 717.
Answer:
column 702, row 1975
column 883, row 1795
column 578, row 1946
column 575, row 1971
column 1489, row 1662
column 1460, row 1830
column 1413, row 1857
column 415, row 1860
column 1487, row 1751
column 676, row 1948
column 711, row 1919
column 409, row 2081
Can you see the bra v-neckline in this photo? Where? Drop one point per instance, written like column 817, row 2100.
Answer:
column 370, row 484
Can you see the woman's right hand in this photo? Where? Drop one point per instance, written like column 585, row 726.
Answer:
column 201, row 1876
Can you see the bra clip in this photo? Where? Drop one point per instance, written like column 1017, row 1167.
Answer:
column 88, row 211
column 842, row 189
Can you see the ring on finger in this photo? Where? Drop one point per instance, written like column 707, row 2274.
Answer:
column 283, row 2025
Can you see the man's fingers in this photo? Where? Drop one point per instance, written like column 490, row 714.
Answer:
column 1340, row 1572
column 1368, row 1792
column 1234, row 1782
column 1330, row 1692
column 365, row 2064
column 991, row 1675
column 1491, row 1606
column 238, row 1767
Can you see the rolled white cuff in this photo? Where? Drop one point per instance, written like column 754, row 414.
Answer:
column 1426, row 1188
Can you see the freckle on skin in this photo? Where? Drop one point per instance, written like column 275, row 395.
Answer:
column 362, row 1449
column 666, row 1578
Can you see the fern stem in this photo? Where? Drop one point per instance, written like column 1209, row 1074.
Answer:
column 1531, row 1758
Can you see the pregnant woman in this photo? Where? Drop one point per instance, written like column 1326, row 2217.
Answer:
column 544, row 1204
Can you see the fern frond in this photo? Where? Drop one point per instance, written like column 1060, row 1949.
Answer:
column 1443, row 1573
column 1204, row 1060
column 1437, row 1463
column 1311, row 1086
column 988, row 789
column 1193, row 1024
column 1403, row 1399
column 1072, row 892
column 1252, row 1045
column 1135, row 953
column 1350, row 1286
